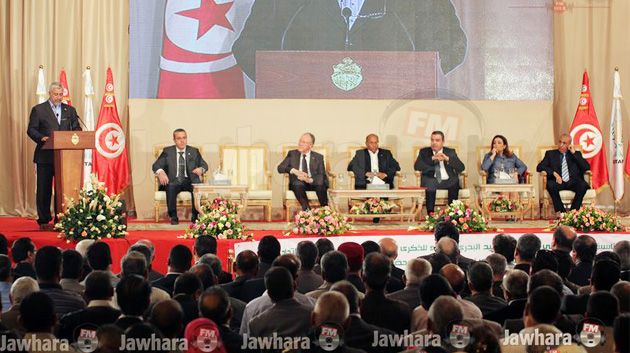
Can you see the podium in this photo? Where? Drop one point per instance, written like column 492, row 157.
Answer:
column 68, row 149
column 346, row 74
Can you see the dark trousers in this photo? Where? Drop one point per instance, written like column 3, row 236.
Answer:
column 431, row 191
column 300, row 188
column 173, row 188
column 577, row 185
column 45, row 175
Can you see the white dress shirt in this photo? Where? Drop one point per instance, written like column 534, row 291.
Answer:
column 443, row 172
column 308, row 162
column 373, row 161
column 56, row 110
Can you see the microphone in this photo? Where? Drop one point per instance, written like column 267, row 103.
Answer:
column 346, row 12
column 81, row 121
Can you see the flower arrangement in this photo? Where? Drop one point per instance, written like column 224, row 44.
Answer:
column 94, row 215
column 218, row 224
column 589, row 219
column 222, row 205
column 464, row 218
column 502, row 205
column 320, row 221
column 373, row 205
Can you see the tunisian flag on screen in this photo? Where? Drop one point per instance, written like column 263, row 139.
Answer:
column 110, row 160
column 585, row 132
column 197, row 59
column 628, row 161
column 66, row 91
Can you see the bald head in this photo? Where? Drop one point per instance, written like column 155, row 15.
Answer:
column 443, row 311
column 448, row 247
column 417, row 270
column 455, row 276
column 371, row 142
column 389, row 248
column 331, row 307
column 563, row 238
column 168, row 316
column 247, row 263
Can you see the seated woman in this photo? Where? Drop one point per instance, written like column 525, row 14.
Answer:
column 501, row 159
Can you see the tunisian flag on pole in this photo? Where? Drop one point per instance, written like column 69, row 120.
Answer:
column 628, row 161
column 585, row 132
column 66, row 92
column 110, row 160
column 197, row 59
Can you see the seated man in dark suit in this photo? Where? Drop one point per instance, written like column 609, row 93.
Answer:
column 177, row 168
column 480, row 283
column 208, row 245
column 565, row 168
column 133, row 294
column 440, row 169
column 373, row 161
column 604, row 276
column 306, row 172
column 23, row 253
column 584, row 250
column 526, row 248
column 515, row 293
column 179, row 261
column 245, row 286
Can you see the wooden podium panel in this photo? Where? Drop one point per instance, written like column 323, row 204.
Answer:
column 383, row 75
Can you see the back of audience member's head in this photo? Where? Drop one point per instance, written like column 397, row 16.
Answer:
column 448, row 247
column 307, row 252
column 133, row 294
column 543, row 306
column 438, row 261
column 188, row 284
column 446, row 229
column 545, row 278
column 288, row 261
column 608, row 255
column 544, row 260
column 247, row 263
column 585, row 248
column 4, row 245
column 99, row 256
column 323, row 245
column 213, row 261
column 134, row 263
column 143, row 332
column 168, row 317
column 71, row 264
column 432, row 287
column 109, row 337
column 268, row 249
column 622, row 249
column 605, row 275
column 527, row 246
column 505, row 245
column 515, row 284
column 331, row 307
column 620, row 333
column 416, row 270
column 180, row 258
column 21, row 248
column 37, row 313
column 455, row 277
column 354, row 254
column 279, row 284
column 205, row 275
column 5, row 268
column 22, row 287
column 443, row 311
column 389, row 248
column 483, row 340
column 48, row 264
column 621, row 290
column 83, row 246
column 144, row 250
column 370, row 246
column 98, row 286
column 376, row 270
column 205, row 245
column 214, row 304
column 350, row 292
column 563, row 238
column 334, row 266
column 602, row 306
column 480, row 277
column 148, row 244
column 497, row 263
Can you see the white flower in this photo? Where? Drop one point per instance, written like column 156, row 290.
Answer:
column 228, row 224
column 100, row 217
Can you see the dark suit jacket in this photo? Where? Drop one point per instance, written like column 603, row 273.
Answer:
column 225, row 277
column 397, row 273
column 167, row 283
column 317, row 168
column 361, row 164
column 126, row 322
column 42, row 122
column 24, row 269
column 189, row 306
column 514, row 310
column 428, row 167
column 552, row 162
column 94, row 316
column 581, row 273
column 565, row 263
column 245, row 288
column 360, row 335
column 231, row 339
column 381, row 311
column 357, row 282
column 575, row 304
column 168, row 162
column 523, row 267
column 406, row 25
column 288, row 317
column 409, row 295
column 487, row 303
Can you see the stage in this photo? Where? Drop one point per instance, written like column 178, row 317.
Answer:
column 411, row 243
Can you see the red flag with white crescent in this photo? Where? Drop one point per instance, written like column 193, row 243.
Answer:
column 197, row 59
column 627, row 170
column 585, row 132
column 110, row 160
column 66, row 91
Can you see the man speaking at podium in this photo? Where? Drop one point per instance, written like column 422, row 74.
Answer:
column 51, row 115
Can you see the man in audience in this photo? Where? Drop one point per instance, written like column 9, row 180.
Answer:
column 168, row 317
column 146, row 252
column 99, row 257
column 480, row 284
column 82, row 247
column 602, row 309
column 48, row 269
column 544, row 260
column 98, row 294
column 526, row 247
column 133, row 294
column 498, row 263
column 186, row 292
column 20, row 288
column 307, row 279
column 444, row 311
column 377, row 309
column 389, row 248
column 584, row 250
column 432, row 287
column 561, row 245
column 370, row 246
column 5, row 282
column 287, row 317
column 622, row 248
column 621, row 290
column 448, row 229
column 37, row 316
column 153, row 275
column 23, row 253
column 505, row 245
column 179, row 261
column 605, row 274
column 214, row 304
column 268, row 250
column 324, row 245
column 334, row 269
column 208, row 245
column 456, row 278
column 332, row 310
column 416, row 271
column 134, row 263
column 245, row 286
column 515, row 294
column 71, row 271
column 620, row 333
column 354, row 254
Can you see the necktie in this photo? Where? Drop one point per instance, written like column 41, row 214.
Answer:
column 304, row 165
column 565, row 168
column 181, row 169
column 438, row 172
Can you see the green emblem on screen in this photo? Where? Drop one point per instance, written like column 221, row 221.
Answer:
column 347, row 75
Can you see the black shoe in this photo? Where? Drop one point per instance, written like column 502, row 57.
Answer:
column 376, row 220
column 174, row 221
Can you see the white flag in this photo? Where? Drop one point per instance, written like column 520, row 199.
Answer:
column 616, row 141
column 88, row 118
column 42, row 91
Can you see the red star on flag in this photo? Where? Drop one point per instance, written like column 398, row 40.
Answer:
column 209, row 14
column 114, row 140
column 590, row 141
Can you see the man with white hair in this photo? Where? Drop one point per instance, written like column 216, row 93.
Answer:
column 515, row 293
column 153, row 275
column 415, row 272
column 83, row 245
column 22, row 287
column 389, row 248
column 332, row 312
